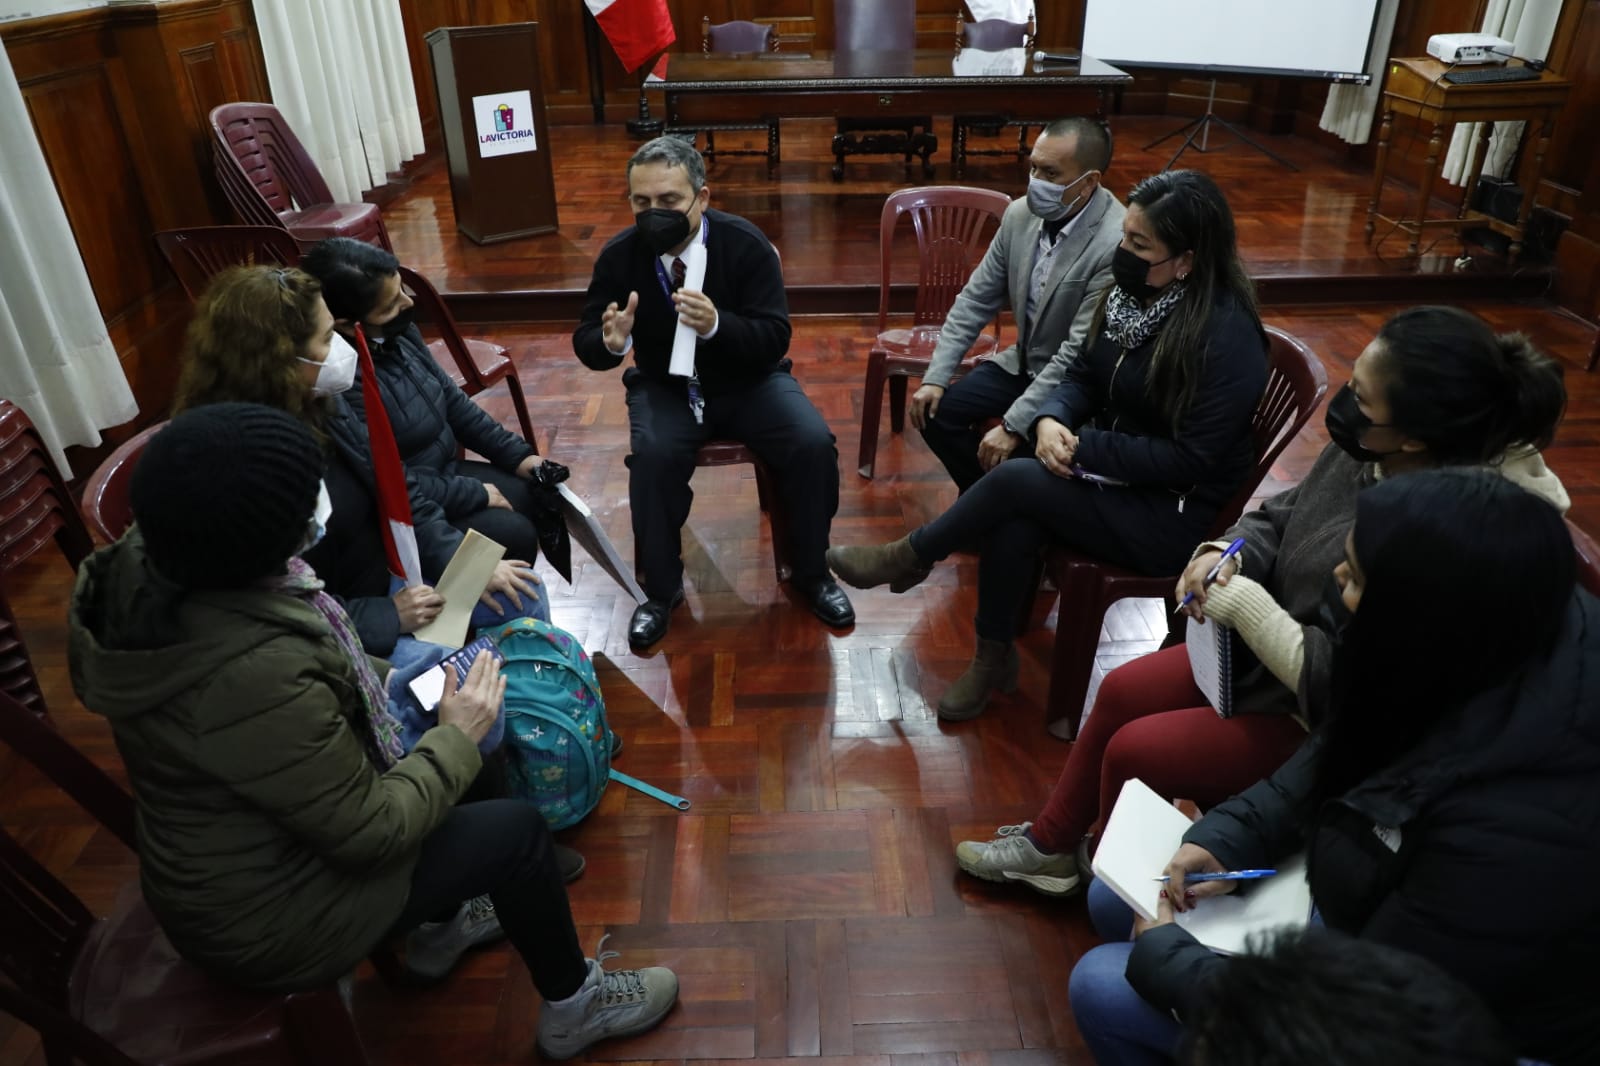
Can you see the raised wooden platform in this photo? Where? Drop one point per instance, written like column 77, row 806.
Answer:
column 1300, row 232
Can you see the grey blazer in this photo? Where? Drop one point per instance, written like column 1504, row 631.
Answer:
column 1060, row 327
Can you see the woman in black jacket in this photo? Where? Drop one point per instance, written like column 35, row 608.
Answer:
column 1448, row 807
column 431, row 417
column 1147, row 435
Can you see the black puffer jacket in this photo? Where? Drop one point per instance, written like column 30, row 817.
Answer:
column 1490, row 861
column 350, row 558
column 432, row 418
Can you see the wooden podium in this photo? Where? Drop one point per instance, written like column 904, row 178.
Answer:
column 1416, row 87
column 497, row 144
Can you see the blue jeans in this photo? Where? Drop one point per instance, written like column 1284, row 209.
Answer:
column 1118, row 1026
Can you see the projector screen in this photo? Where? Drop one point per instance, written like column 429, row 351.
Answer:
column 1306, row 38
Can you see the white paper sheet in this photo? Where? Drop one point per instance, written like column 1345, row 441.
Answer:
column 462, row 582
column 694, row 276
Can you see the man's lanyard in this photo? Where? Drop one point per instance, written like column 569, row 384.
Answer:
column 661, row 271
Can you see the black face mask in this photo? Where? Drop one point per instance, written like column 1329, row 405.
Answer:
column 1130, row 272
column 662, row 229
column 397, row 326
column 1347, row 425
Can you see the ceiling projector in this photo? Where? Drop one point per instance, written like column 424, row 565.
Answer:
column 1469, row 48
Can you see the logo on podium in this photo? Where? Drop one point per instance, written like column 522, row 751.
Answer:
column 498, row 130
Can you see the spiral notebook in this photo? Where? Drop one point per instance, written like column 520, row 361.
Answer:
column 1211, row 661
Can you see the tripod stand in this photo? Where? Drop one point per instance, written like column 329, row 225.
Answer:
column 1201, row 127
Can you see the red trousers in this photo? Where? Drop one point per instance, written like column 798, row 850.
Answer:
column 1151, row 721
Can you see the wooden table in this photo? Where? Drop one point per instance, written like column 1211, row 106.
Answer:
column 734, row 87
column 1416, row 88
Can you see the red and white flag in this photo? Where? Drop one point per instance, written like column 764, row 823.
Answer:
column 637, row 29
column 394, row 502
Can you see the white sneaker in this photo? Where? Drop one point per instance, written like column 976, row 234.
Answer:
column 433, row 948
column 1011, row 856
column 618, row 1003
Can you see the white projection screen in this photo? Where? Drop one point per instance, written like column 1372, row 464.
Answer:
column 1306, row 38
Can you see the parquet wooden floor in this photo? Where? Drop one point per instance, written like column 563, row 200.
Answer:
column 809, row 897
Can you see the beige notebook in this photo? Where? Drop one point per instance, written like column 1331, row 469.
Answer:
column 1143, row 834
column 462, row 582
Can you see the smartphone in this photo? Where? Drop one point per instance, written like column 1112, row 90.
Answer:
column 428, row 687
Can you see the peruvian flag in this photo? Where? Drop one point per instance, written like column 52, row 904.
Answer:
column 394, row 502
column 637, row 29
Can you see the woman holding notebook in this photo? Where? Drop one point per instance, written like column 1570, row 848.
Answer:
column 1147, row 435
column 1436, row 387
column 1447, row 806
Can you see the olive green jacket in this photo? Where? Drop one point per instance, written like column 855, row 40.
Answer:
column 272, row 850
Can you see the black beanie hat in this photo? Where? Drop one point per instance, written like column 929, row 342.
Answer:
column 223, row 495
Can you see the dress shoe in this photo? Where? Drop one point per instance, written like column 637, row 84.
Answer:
column 828, row 602
column 649, row 621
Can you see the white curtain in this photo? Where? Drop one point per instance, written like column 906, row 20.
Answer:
column 1529, row 25
column 1349, row 110
column 56, row 361
column 340, row 75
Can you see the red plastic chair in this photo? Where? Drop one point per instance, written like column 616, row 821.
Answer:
column 732, row 453
column 197, row 255
column 90, row 986
column 35, row 505
column 270, row 180
column 989, row 35
column 738, row 36
column 105, row 505
column 952, row 225
column 1296, row 383
column 475, row 365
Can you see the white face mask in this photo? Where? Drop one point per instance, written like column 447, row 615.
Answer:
column 337, row 372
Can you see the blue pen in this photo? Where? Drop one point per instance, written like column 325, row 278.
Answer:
column 1227, row 553
column 1231, row 875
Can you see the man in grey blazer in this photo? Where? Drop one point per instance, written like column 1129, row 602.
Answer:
column 1049, row 263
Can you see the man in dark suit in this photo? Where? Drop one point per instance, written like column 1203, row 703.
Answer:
column 739, row 386
column 1050, row 263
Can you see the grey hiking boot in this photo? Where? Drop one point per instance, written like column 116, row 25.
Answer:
column 1011, row 856
column 433, row 948
column 615, row 1003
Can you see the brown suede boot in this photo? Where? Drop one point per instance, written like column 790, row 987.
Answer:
column 994, row 668
column 895, row 565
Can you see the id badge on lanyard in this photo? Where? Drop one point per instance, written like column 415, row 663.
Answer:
column 697, row 402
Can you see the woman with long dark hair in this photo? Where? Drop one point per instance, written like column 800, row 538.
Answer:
column 1146, row 437
column 1448, row 804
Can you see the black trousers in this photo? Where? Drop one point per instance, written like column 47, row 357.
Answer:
column 774, row 419
column 513, row 528
column 986, row 392
column 1018, row 507
column 502, row 848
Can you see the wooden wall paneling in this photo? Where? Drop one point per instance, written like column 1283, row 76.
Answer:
column 420, row 18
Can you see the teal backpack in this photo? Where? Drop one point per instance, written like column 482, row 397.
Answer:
column 558, row 744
